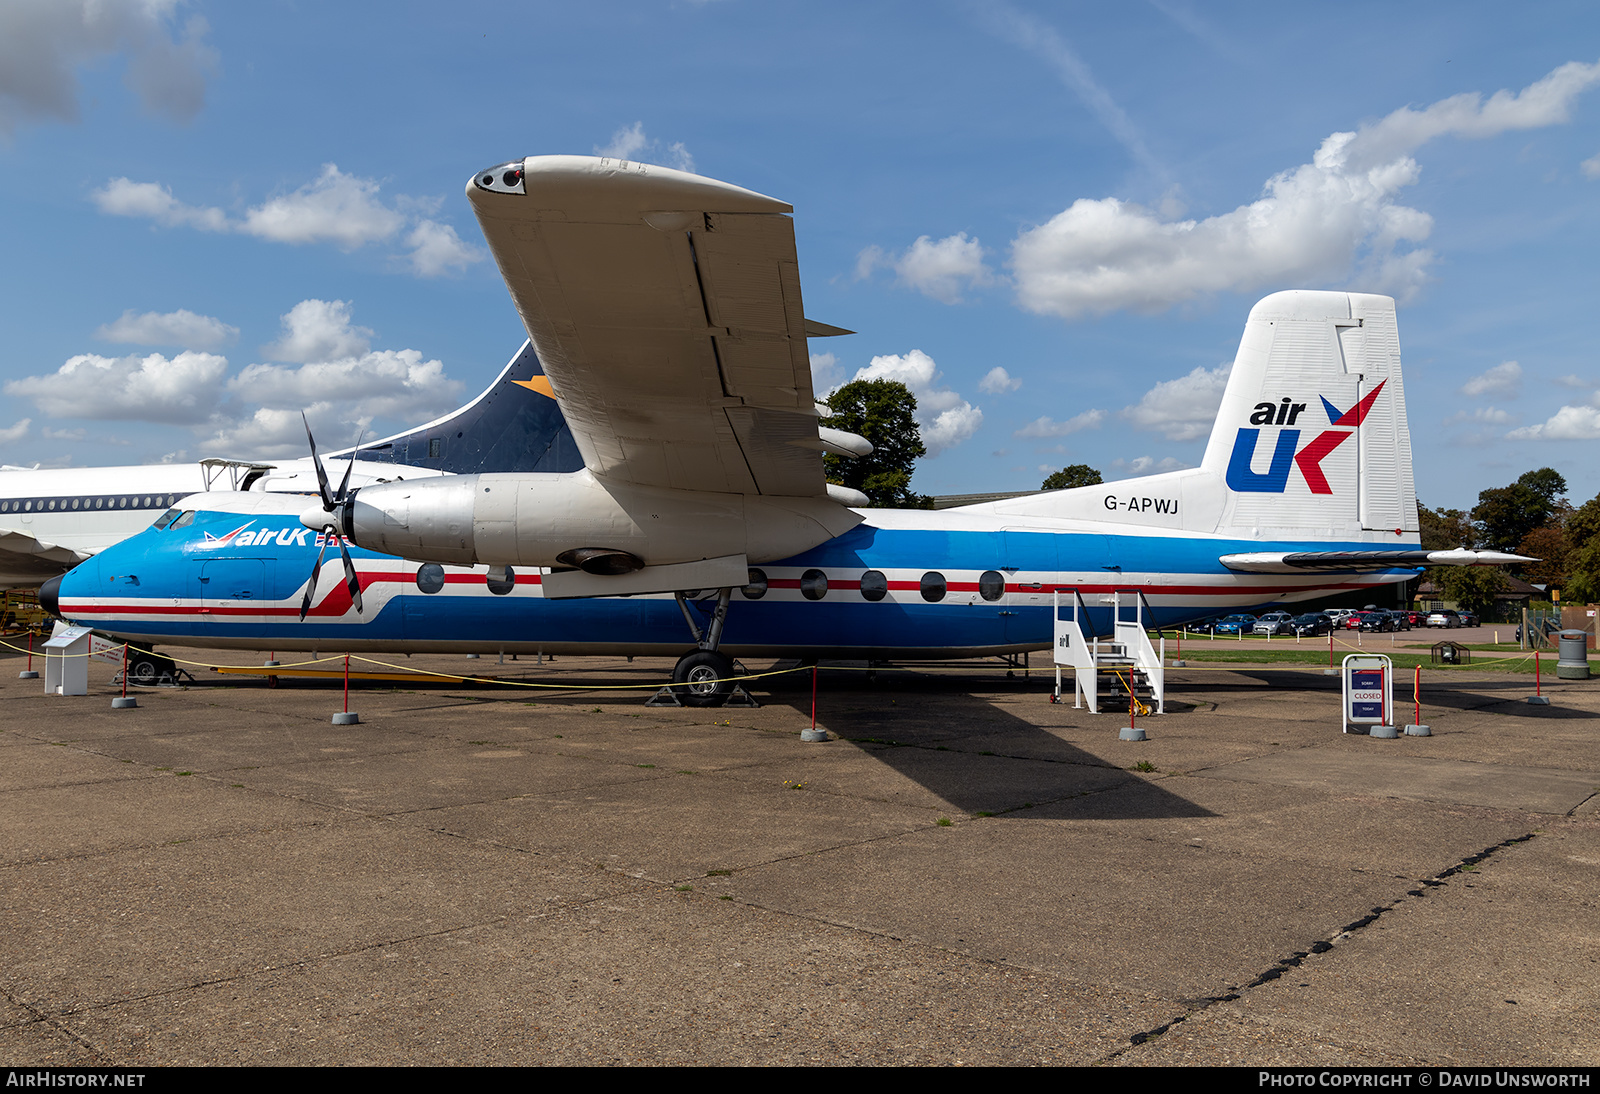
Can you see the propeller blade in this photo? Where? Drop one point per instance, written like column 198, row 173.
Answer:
column 311, row 587
column 322, row 476
column 344, row 483
column 351, row 580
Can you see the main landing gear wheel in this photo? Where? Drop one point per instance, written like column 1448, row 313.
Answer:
column 702, row 678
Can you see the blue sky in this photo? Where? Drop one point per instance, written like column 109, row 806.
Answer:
column 1050, row 219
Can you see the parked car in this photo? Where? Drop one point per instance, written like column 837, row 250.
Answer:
column 1273, row 624
column 1312, row 624
column 1467, row 618
column 1234, row 624
column 1446, row 618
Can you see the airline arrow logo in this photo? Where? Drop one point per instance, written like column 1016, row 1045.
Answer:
column 1308, row 459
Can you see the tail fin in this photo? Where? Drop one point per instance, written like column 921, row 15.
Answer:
column 1311, row 438
column 513, row 426
column 1310, row 443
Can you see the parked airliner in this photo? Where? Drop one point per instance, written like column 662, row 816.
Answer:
column 1305, row 488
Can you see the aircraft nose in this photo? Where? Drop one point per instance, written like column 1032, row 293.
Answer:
column 50, row 595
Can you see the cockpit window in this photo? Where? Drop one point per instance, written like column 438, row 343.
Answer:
column 166, row 518
column 185, row 520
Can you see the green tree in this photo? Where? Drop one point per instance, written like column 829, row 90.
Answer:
column 1471, row 587
column 1505, row 515
column 1445, row 529
column 1079, row 474
column 1583, row 554
column 884, row 412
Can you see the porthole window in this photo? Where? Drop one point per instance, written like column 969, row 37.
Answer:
column 99, row 503
column 74, row 503
column 52, row 503
column 933, row 586
column 757, row 587
column 992, row 585
column 874, row 586
column 501, row 580
column 147, row 502
column 813, row 584
column 430, row 577
column 27, row 506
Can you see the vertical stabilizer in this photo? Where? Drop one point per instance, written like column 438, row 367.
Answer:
column 514, row 426
column 1311, row 438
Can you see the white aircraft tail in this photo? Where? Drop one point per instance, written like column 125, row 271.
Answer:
column 1311, row 437
column 1310, row 441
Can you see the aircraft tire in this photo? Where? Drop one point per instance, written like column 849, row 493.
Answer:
column 702, row 678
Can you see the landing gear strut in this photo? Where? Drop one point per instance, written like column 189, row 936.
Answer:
column 703, row 677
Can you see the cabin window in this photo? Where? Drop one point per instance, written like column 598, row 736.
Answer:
column 430, row 577
column 933, row 586
column 52, row 503
column 501, row 580
column 813, row 584
column 757, row 587
column 992, row 585
column 74, row 503
column 874, row 586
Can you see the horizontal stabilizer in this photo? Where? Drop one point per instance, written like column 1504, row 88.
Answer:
column 1290, row 562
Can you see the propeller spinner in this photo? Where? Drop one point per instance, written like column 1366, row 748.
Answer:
column 328, row 520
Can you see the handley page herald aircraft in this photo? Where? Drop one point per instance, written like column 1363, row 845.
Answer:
column 53, row 518
column 666, row 311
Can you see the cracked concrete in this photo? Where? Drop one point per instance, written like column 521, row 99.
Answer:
column 969, row 875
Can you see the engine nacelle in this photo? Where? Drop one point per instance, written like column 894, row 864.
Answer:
column 534, row 519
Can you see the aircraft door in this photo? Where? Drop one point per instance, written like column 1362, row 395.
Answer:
column 229, row 586
column 1032, row 567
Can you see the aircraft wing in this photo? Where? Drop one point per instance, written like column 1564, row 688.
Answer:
column 1288, row 562
column 665, row 308
column 25, row 560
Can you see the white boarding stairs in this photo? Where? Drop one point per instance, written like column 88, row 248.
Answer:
column 1124, row 670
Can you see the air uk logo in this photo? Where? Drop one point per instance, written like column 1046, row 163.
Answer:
column 1287, row 454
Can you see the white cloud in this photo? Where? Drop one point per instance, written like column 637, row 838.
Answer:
column 1573, row 380
column 826, row 374
column 44, row 42
column 177, row 328
column 997, row 381
column 946, row 419
column 935, row 268
column 1591, row 167
column 183, row 390
column 318, row 330
column 1049, row 427
column 1184, row 409
column 1144, row 465
column 337, row 207
column 1504, row 380
column 345, row 210
column 125, row 198
column 436, row 249
column 15, row 432
column 630, row 143
column 1570, row 423
column 1484, row 415
column 381, row 384
column 1323, row 221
